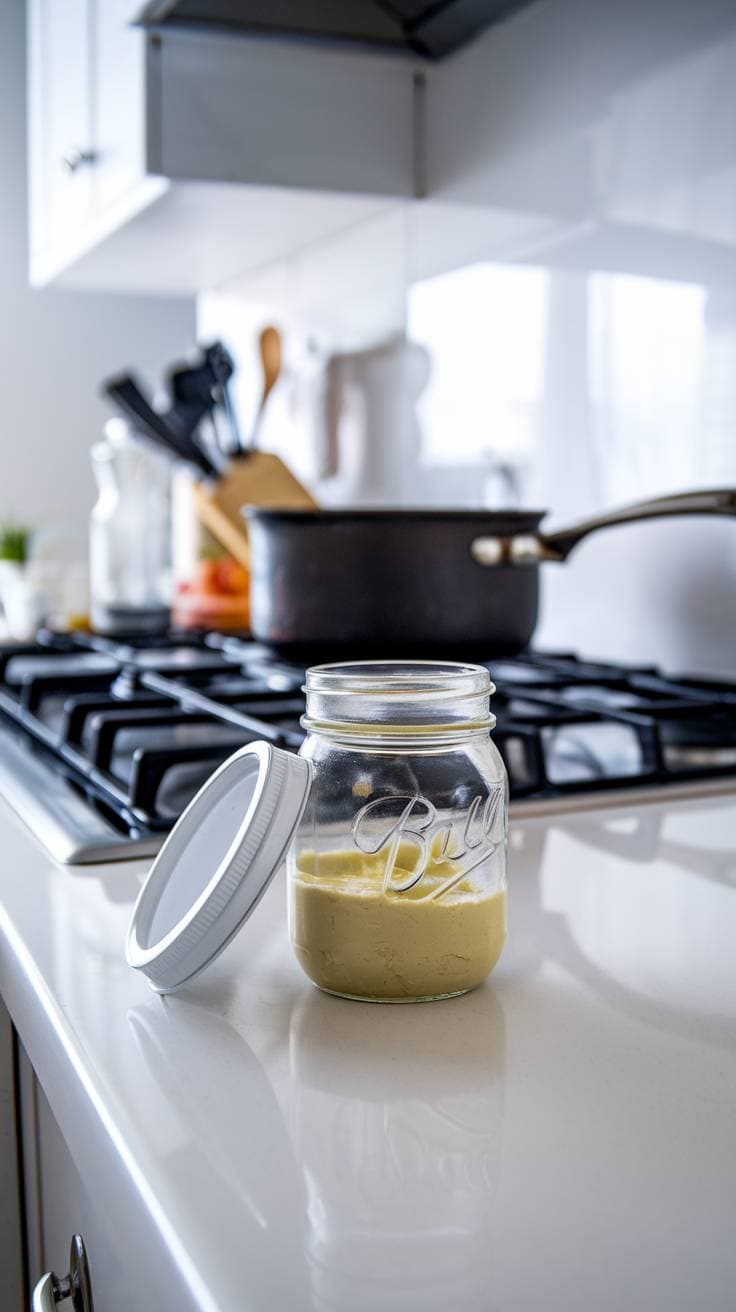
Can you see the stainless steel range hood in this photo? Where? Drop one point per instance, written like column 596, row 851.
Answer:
column 416, row 27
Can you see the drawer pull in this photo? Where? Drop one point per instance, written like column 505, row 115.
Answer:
column 75, row 158
column 51, row 1290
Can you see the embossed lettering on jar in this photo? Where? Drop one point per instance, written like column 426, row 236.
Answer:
column 397, row 876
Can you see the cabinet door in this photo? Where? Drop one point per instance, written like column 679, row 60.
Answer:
column 118, row 53
column 60, row 119
column 11, row 1267
column 58, row 1205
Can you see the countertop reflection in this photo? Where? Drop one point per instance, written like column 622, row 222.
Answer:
column 397, row 1117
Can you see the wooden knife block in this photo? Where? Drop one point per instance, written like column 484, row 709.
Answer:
column 255, row 479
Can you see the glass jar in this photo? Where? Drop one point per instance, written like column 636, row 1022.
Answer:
column 397, row 872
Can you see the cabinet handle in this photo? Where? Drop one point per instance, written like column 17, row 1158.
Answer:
column 51, row 1290
column 75, row 158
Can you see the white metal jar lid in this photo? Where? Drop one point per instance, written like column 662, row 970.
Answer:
column 216, row 863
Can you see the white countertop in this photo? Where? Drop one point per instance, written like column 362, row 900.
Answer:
column 563, row 1138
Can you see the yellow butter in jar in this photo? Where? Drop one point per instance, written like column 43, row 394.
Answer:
column 353, row 938
column 397, row 887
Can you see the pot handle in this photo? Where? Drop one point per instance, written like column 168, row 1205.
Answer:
column 530, row 548
column 715, row 501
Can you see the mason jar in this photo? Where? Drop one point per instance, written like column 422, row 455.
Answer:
column 397, row 871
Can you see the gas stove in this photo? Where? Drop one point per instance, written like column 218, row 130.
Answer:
column 103, row 742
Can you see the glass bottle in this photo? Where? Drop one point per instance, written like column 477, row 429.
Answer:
column 397, row 874
column 130, row 534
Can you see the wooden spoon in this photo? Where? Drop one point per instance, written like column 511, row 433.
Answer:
column 269, row 344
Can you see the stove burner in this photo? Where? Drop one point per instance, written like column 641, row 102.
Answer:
column 131, row 729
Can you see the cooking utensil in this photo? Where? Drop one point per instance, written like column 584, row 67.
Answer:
column 269, row 346
column 222, row 367
column 384, row 581
column 200, row 428
column 124, row 391
column 200, row 395
column 201, row 402
column 255, row 477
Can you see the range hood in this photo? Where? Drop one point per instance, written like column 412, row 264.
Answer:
column 416, row 27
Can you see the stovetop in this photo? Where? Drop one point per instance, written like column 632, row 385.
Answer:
column 103, row 742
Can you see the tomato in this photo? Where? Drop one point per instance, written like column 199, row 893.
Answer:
column 208, row 579
column 232, row 578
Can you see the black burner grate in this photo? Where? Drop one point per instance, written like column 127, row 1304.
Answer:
column 137, row 726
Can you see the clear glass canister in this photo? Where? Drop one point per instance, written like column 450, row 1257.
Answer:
column 130, row 534
column 397, row 874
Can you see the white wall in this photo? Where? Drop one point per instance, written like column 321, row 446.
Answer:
column 612, row 128
column 582, row 176
column 56, row 346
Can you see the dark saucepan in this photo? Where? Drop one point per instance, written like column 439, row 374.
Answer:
column 416, row 581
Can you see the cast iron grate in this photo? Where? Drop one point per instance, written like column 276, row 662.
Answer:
column 137, row 725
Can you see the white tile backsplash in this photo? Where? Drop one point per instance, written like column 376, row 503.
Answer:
column 572, row 277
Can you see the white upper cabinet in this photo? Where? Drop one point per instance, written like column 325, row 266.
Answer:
column 61, row 181
column 172, row 161
column 117, row 93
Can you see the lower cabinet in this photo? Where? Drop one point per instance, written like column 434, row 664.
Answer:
column 57, row 1219
column 58, row 1206
column 12, row 1267
column 44, row 1204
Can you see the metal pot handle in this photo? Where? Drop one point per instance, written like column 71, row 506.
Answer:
column 530, row 548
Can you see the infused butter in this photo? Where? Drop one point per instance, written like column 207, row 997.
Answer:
column 354, row 936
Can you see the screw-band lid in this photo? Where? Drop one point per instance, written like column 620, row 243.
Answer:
column 216, row 864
